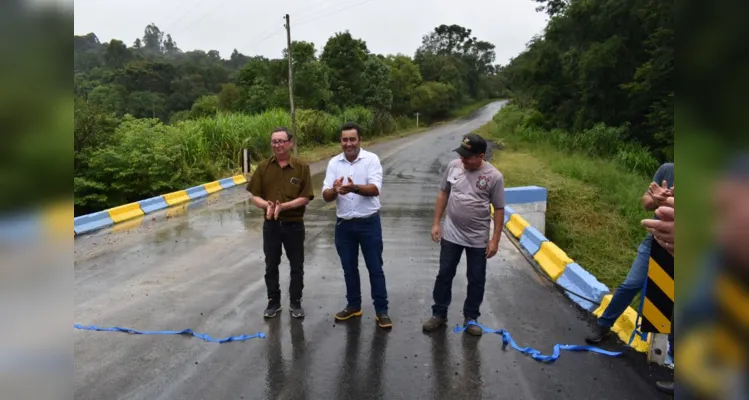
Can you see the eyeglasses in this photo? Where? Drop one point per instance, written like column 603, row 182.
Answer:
column 278, row 142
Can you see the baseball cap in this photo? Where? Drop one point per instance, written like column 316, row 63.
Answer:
column 471, row 145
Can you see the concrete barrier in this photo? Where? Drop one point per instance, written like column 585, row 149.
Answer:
column 133, row 212
column 91, row 222
column 153, row 204
column 526, row 219
column 530, row 203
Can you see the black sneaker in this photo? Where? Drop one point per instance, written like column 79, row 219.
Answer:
column 474, row 330
column 434, row 323
column 599, row 333
column 384, row 321
column 296, row 310
column 273, row 308
column 347, row 313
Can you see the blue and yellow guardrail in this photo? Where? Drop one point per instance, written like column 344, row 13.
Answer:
column 135, row 211
column 563, row 270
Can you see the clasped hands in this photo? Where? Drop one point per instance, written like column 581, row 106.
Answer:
column 340, row 188
column 662, row 229
column 272, row 210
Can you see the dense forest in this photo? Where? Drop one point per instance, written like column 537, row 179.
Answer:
column 151, row 118
column 602, row 62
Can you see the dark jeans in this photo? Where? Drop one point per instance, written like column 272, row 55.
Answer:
column 367, row 233
column 291, row 236
column 450, row 254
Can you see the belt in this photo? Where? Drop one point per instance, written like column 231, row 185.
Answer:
column 283, row 223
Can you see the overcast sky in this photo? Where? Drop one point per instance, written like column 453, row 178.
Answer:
column 254, row 27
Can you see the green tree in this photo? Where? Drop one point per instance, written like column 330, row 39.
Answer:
column 346, row 60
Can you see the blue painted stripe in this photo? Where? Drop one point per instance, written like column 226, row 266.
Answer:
column 531, row 239
column 92, row 222
column 508, row 213
column 196, row 192
column 577, row 279
column 153, row 204
column 525, row 194
column 227, row 183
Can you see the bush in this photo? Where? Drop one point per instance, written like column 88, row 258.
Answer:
column 599, row 141
column 316, row 127
column 361, row 116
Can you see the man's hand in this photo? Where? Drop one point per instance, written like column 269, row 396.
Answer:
column 347, row 188
column 278, row 208
column 663, row 230
column 436, row 233
column 269, row 210
column 491, row 249
column 660, row 193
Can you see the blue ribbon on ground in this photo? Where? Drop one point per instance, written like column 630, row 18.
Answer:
column 507, row 339
column 239, row 338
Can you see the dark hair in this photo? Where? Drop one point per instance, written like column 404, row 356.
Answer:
column 283, row 129
column 351, row 125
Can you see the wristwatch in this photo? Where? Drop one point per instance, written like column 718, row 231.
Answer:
column 356, row 188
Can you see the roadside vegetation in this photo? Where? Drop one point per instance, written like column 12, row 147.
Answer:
column 593, row 210
column 150, row 118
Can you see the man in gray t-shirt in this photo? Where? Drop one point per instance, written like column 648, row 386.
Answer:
column 468, row 187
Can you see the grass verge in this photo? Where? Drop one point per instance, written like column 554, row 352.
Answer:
column 593, row 211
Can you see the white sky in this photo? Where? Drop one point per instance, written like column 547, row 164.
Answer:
column 256, row 27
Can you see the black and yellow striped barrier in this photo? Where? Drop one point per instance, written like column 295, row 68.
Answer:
column 658, row 304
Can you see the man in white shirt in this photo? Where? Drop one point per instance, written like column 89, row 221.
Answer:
column 354, row 179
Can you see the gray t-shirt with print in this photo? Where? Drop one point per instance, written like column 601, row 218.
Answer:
column 468, row 219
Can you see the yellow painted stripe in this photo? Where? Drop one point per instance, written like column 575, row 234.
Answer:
column 655, row 316
column 661, row 279
column 624, row 325
column 212, row 187
column 177, row 197
column 125, row 212
column 516, row 225
column 552, row 260
column 734, row 299
column 239, row 179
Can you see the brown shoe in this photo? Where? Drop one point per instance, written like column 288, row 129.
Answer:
column 347, row 313
column 474, row 330
column 434, row 323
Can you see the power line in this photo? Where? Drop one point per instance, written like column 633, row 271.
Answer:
column 332, row 13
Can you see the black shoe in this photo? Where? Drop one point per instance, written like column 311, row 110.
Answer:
column 273, row 308
column 384, row 321
column 296, row 310
column 599, row 333
column 665, row 386
column 347, row 313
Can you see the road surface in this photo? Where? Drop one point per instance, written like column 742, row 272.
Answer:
column 201, row 267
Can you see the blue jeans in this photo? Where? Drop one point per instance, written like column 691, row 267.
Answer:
column 630, row 288
column 450, row 254
column 367, row 233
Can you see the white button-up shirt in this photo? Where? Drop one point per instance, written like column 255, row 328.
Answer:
column 365, row 170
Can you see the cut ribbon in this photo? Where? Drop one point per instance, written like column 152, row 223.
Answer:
column 239, row 338
column 507, row 339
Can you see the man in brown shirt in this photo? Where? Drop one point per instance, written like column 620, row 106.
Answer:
column 282, row 186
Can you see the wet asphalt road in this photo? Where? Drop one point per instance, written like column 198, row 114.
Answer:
column 201, row 267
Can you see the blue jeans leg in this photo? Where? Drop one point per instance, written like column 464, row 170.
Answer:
column 347, row 245
column 631, row 286
column 369, row 233
column 476, row 271
column 450, row 254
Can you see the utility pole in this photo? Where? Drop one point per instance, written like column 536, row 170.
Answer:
column 417, row 120
column 291, row 83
